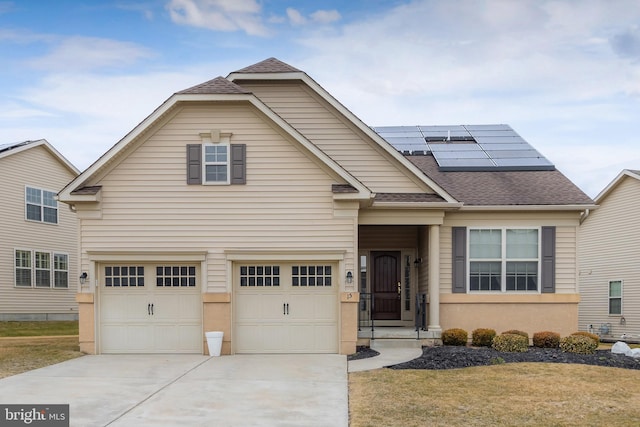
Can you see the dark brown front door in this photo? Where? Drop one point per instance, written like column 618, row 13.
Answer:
column 385, row 285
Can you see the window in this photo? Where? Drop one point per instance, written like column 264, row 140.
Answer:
column 615, row 297
column 124, row 276
column 41, row 205
column 311, row 275
column 503, row 260
column 23, row 268
column 41, row 269
column 259, row 275
column 216, row 163
column 182, row 275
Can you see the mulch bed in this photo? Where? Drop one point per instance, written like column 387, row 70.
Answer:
column 452, row 357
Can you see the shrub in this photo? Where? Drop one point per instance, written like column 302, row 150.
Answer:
column 482, row 337
column 517, row 332
column 590, row 335
column 454, row 336
column 579, row 344
column 513, row 343
column 546, row 339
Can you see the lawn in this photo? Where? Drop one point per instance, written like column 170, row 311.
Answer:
column 25, row 346
column 518, row 394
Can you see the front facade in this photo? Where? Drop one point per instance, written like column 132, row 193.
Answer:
column 259, row 206
column 39, row 241
column 609, row 268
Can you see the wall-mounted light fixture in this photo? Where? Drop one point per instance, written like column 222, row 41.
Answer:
column 83, row 277
column 349, row 277
column 417, row 262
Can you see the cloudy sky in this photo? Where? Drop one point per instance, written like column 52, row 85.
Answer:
column 564, row 74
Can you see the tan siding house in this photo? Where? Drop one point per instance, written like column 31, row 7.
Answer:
column 608, row 261
column 257, row 205
column 39, row 241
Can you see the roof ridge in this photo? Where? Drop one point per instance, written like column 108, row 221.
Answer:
column 218, row 85
column 269, row 65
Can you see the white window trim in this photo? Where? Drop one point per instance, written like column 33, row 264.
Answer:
column 621, row 298
column 210, row 139
column 42, row 206
column 503, row 261
column 52, row 269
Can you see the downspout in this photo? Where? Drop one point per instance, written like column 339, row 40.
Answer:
column 584, row 215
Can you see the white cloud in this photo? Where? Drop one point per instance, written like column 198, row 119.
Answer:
column 219, row 15
column 87, row 53
column 295, row 17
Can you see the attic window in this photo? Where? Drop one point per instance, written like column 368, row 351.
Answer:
column 216, row 161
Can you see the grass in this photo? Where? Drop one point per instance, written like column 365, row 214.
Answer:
column 519, row 394
column 36, row 329
column 25, row 346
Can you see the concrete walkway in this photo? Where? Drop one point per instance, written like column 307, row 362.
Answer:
column 190, row 390
column 387, row 356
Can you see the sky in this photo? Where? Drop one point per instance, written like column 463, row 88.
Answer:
column 564, row 74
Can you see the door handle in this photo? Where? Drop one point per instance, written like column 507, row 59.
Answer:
column 285, row 308
column 149, row 309
column 399, row 288
column 152, row 309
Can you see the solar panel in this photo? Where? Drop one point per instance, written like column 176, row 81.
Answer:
column 467, row 147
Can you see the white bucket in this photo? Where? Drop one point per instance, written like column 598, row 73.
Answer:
column 214, row 342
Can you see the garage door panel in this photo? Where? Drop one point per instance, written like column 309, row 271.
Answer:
column 149, row 308
column 294, row 318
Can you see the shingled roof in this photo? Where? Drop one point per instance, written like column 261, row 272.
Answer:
column 219, row 85
column 271, row 65
column 496, row 188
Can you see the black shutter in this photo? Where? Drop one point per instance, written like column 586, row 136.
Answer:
column 238, row 163
column 194, row 164
column 548, row 255
column 459, row 241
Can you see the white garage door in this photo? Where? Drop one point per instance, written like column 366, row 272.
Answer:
column 286, row 308
column 149, row 308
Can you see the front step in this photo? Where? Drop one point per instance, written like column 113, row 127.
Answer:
column 382, row 343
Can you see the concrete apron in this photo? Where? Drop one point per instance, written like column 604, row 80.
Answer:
column 190, row 390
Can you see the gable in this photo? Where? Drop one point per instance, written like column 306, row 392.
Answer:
column 335, row 135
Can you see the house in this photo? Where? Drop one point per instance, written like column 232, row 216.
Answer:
column 39, row 243
column 259, row 206
column 609, row 268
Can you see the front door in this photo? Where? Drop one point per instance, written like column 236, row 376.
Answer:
column 386, row 285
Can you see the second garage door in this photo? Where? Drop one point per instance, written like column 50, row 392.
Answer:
column 285, row 307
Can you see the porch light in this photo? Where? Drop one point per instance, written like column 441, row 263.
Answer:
column 349, row 277
column 417, row 262
column 83, row 277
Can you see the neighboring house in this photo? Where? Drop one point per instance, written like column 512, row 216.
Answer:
column 260, row 206
column 39, row 243
column 609, row 261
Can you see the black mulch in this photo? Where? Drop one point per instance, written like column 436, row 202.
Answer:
column 451, row 357
column 362, row 353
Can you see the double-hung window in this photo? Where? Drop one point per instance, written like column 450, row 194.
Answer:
column 615, row 297
column 504, row 259
column 41, row 205
column 41, row 269
column 216, row 163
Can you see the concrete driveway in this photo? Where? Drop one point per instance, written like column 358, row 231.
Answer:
column 190, row 390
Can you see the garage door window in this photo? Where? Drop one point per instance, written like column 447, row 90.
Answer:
column 176, row 275
column 124, row 276
column 259, row 275
column 311, row 275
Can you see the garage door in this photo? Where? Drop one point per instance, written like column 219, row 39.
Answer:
column 285, row 308
column 150, row 308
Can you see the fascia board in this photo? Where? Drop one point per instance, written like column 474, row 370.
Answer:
column 613, row 184
column 352, row 117
column 65, row 194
